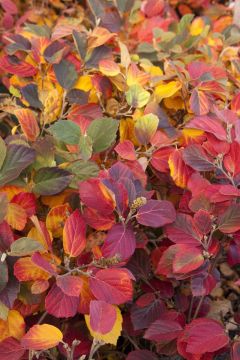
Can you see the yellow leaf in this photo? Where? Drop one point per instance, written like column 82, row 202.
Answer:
column 14, row 326
column 145, row 128
column 112, row 336
column 84, row 83
column 127, row 131
column 197, row 26
column 137, row 96
column 42, row 337
column 167, row 90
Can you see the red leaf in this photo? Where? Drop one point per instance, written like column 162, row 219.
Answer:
column 229, row 221
column 184, row 231
column 126, row 150
column 28, row 122
column 120, row 241
column 70, row 285
column 10, row 349
column 95, row 195
column 235, row 351
column 204, row 336
column 17, row 67
column 187, row 259
column 141, row 355
column 202, row 220
column 59, row 304
column 6, row 236
column 195, row 156
column 160, row 158
column 102, row 316
column 209, row 125
column 156, row 213
column 163, row 330
column 97, row 220
column 74, row 234
column 113, row 286
column 27, row 201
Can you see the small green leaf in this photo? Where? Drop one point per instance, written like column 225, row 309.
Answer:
column 103, row 133
column 25, row 246
column 51, row 181
column 3, row 206
column 3, row 311
column 82, row 170
column 3, row 151
column 65, row 73
column 137, row 96
column 85, row 145
column 66, row 131
column 3, row 274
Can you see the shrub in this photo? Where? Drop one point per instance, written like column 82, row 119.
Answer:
column 119, row 180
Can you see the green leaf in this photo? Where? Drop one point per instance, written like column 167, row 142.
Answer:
column 80, row 40
column 3, row 206
column 137, row 96
column 85, row 145
column 65, row 73
column 3, row 311
column 3, row 151
column 3, row 274
column 145, row 128
column 185, row 22
column 51, row 181
column 66, row 131
column 82, row 170
column 17, row 159
column 25, row 246
column 103, row 133
column 39, row 30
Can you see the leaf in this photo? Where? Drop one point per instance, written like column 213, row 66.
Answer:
column 30, row 93
column 113, row 286
column 85, row 147
column 26, row 270
column 103, row 133
column 126, row 150
column 65, row 73
column 137, row 96
column 199, row 103
column 189, row 259
column 179, row 171
column 3, row 274
column 3, row 151
column 229, row 221
column 235, row 351
column 208, row 124
column 16, row 216
column 51, row 180
column 3, row 206
column 14, row 66
column 195, row 156
column 70, row 285
column 54, row 52
column 164, row 91
column 104, row 322
column 28, row 122
column 60, row 305
column 145, row 127
column 94, row 194
column 74, row 234
column 17, row 159
column 66, row 131
column 203, row 336
column 56, row 218
column 25, row 246
column 163, row 330
column 109, row 67
column 80, row 41
column 184, row 231
column 10, row 348
column 120, row 241
column 156, row 213
column 141, row 355
column 4, row 310
column 42, row 337
column 82, row 170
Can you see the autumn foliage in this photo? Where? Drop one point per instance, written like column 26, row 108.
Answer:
column 119, row 180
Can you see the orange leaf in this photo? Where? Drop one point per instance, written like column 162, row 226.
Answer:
column 56, row 218
column 28, row 122
column 74, row 234
column 26, row 270
column 42, row 337
column 14, row 326
column 109, row 67
column 98, row 37
column 16, row 216
column 179, row 171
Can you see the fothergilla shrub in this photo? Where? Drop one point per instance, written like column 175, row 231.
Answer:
column 119, row 180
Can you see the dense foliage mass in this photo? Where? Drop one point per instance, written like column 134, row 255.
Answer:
column 119, row 180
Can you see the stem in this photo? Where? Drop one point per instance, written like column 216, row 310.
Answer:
column 42, row 317
column 190, row 310
column 198, row 307
column 95, row 346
